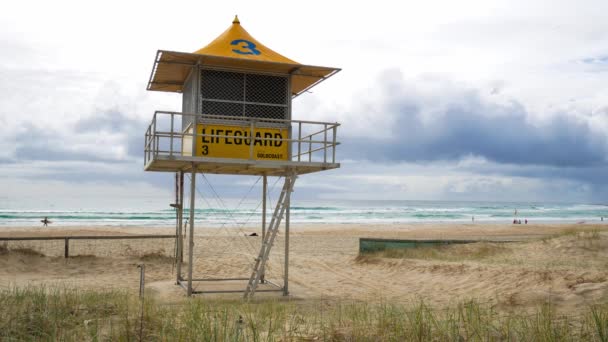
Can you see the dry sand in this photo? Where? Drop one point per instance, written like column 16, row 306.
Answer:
column 563, row 264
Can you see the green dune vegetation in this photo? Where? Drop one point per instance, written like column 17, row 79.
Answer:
column 543, row 289
column 45, row 314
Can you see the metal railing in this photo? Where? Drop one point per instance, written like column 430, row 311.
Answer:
column 308, row 141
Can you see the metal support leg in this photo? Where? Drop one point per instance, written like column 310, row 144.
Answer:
column 264, row 195
column 287, row 209
column 191, row 242
column 181, row 216
column 180, row 222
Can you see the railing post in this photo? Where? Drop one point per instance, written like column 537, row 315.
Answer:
column 182, row 135
column 310, row 148
column 194, row 134
column 171, row 137
column 251, row 141
column 149, row 142
column 146, row 146
column 325, row 144
column 333, row 157
column 156, row 149
column 299, row 140
column 155, row 153
column 66, row 252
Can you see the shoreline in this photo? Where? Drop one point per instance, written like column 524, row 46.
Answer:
column 126, row 225
column 423, row 228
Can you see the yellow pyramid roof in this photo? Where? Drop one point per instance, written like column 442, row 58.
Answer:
column 233, row 49
column 236, row 42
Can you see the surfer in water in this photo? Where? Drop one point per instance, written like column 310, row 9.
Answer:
column 45, row 222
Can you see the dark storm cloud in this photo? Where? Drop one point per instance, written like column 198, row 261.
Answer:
column 592, row 174
column 117, row 121
column 465, row 126
column 603, row 59
column 34, row 143
column 108, row 120
column 53, row 147
column 439, row 124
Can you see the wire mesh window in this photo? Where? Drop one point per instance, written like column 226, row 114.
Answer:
column 222, row 108
column 266, row 89
column 222, row 85
column 261, row 111
column 243, row 95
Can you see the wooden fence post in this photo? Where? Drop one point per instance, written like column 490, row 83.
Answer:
column 67, row 248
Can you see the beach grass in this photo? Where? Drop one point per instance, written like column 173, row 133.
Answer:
column 455, row 252
column 44, row 313
column 4, row 250
column 569, row 248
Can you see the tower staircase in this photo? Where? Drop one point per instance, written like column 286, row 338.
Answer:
column 268, row 241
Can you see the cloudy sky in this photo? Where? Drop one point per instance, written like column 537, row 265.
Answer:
column 438, row 100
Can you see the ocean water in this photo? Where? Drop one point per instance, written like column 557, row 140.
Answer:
column 236, row 213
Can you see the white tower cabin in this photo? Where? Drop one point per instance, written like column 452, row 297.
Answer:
column 236, row 119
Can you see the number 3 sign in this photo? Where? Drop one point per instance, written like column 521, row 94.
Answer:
column 245, row 47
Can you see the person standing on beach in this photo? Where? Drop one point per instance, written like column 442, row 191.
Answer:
column 45, row 222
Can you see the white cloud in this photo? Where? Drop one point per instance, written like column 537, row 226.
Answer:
column 444, row 180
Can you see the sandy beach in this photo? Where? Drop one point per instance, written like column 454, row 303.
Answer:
column 558, row 263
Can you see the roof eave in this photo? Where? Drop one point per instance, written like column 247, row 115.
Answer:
column 192, row 59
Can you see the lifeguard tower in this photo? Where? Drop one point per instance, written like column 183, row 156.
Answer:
column 236, row 119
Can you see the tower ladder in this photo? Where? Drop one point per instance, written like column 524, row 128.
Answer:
column 271, row 233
